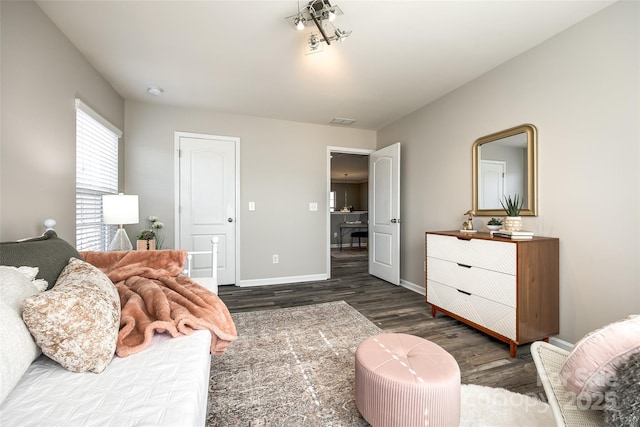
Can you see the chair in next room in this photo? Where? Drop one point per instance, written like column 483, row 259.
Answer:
column 359, row 235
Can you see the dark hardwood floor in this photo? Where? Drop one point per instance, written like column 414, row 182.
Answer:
column 483, row 360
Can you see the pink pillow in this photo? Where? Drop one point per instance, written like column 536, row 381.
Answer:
column 591, row 365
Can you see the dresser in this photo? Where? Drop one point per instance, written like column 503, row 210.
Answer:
column 506, row 288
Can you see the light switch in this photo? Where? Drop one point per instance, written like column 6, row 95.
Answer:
column 313, row 206
column 252, row 206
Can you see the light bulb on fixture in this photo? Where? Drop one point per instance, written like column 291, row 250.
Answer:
column 299, row 23
column 314, row 42
column 340, row 35
column 332, row 15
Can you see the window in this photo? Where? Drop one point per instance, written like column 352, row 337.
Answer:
column 96, row 174
column 332, row 201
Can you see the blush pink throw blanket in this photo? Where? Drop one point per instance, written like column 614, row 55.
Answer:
column 156, row 297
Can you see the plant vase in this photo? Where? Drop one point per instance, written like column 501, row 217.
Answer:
column 513, row 223
column 146, row 245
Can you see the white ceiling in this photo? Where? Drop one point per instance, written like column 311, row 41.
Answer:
column 243, row 57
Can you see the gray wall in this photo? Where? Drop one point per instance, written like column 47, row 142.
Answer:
column 42, row 74
column 356, row 195
column 581, row 89
column 283, row 167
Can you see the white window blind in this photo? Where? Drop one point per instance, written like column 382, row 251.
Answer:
column 96, row 174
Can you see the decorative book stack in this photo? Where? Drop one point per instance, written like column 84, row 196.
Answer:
column 515, row 235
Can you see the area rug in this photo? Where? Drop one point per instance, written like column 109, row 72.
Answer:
column 295, row 367
column 496, row 407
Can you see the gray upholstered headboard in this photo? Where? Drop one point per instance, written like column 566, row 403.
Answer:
column 48, row 252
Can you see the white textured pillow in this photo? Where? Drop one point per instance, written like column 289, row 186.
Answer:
column 76, row 322
column 591, row 366
column 18, row 348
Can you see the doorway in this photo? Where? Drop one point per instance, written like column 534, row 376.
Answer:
column 347, row 222
column 383, row 210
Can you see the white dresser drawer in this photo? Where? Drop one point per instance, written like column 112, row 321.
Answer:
column 507, row 288
column 492, row 315
column 487, row 254
column 492, row 285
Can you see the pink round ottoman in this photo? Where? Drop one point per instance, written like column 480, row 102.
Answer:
column 403, row 380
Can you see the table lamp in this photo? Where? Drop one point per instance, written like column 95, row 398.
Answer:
column 120, row 209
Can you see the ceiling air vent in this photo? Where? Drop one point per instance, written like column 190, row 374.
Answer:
column 342, row 121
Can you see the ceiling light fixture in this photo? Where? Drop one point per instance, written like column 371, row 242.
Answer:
column 346, row 207
column 314, row 42
column 154, row 90
column 319, row 12
column 340, row 35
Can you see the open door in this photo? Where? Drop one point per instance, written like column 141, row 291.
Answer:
column 384, row 213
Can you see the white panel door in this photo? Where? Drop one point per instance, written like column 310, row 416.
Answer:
column 384, row 213
column 207, row 202
column 492, row 177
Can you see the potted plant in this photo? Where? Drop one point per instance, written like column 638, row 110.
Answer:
column 151, row 238
column 494, row 224
column 156, row 227
column 146, row 240
column 512, row 206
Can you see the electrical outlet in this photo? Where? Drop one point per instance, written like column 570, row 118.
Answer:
column 275, row 259
column 313, row 206
column 335, row 235
column 252, row 206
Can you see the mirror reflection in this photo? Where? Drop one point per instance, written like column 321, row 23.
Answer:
column 504, row 164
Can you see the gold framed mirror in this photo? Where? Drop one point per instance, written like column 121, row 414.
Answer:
column 505, row 164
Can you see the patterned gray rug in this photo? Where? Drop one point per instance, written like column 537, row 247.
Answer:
column 289, row 367
column 294, row 367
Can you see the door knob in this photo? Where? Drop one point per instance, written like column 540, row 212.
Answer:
column 229, row 219
column 394, row 220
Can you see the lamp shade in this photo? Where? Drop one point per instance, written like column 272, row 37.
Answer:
column 120, row 209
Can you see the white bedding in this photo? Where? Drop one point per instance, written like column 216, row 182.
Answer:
column 164, row 385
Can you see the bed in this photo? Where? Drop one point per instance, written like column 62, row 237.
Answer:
column 163, row 384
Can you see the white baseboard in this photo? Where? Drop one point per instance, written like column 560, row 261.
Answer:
column 565, row 345
column 419, row 289
column 283, row 280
